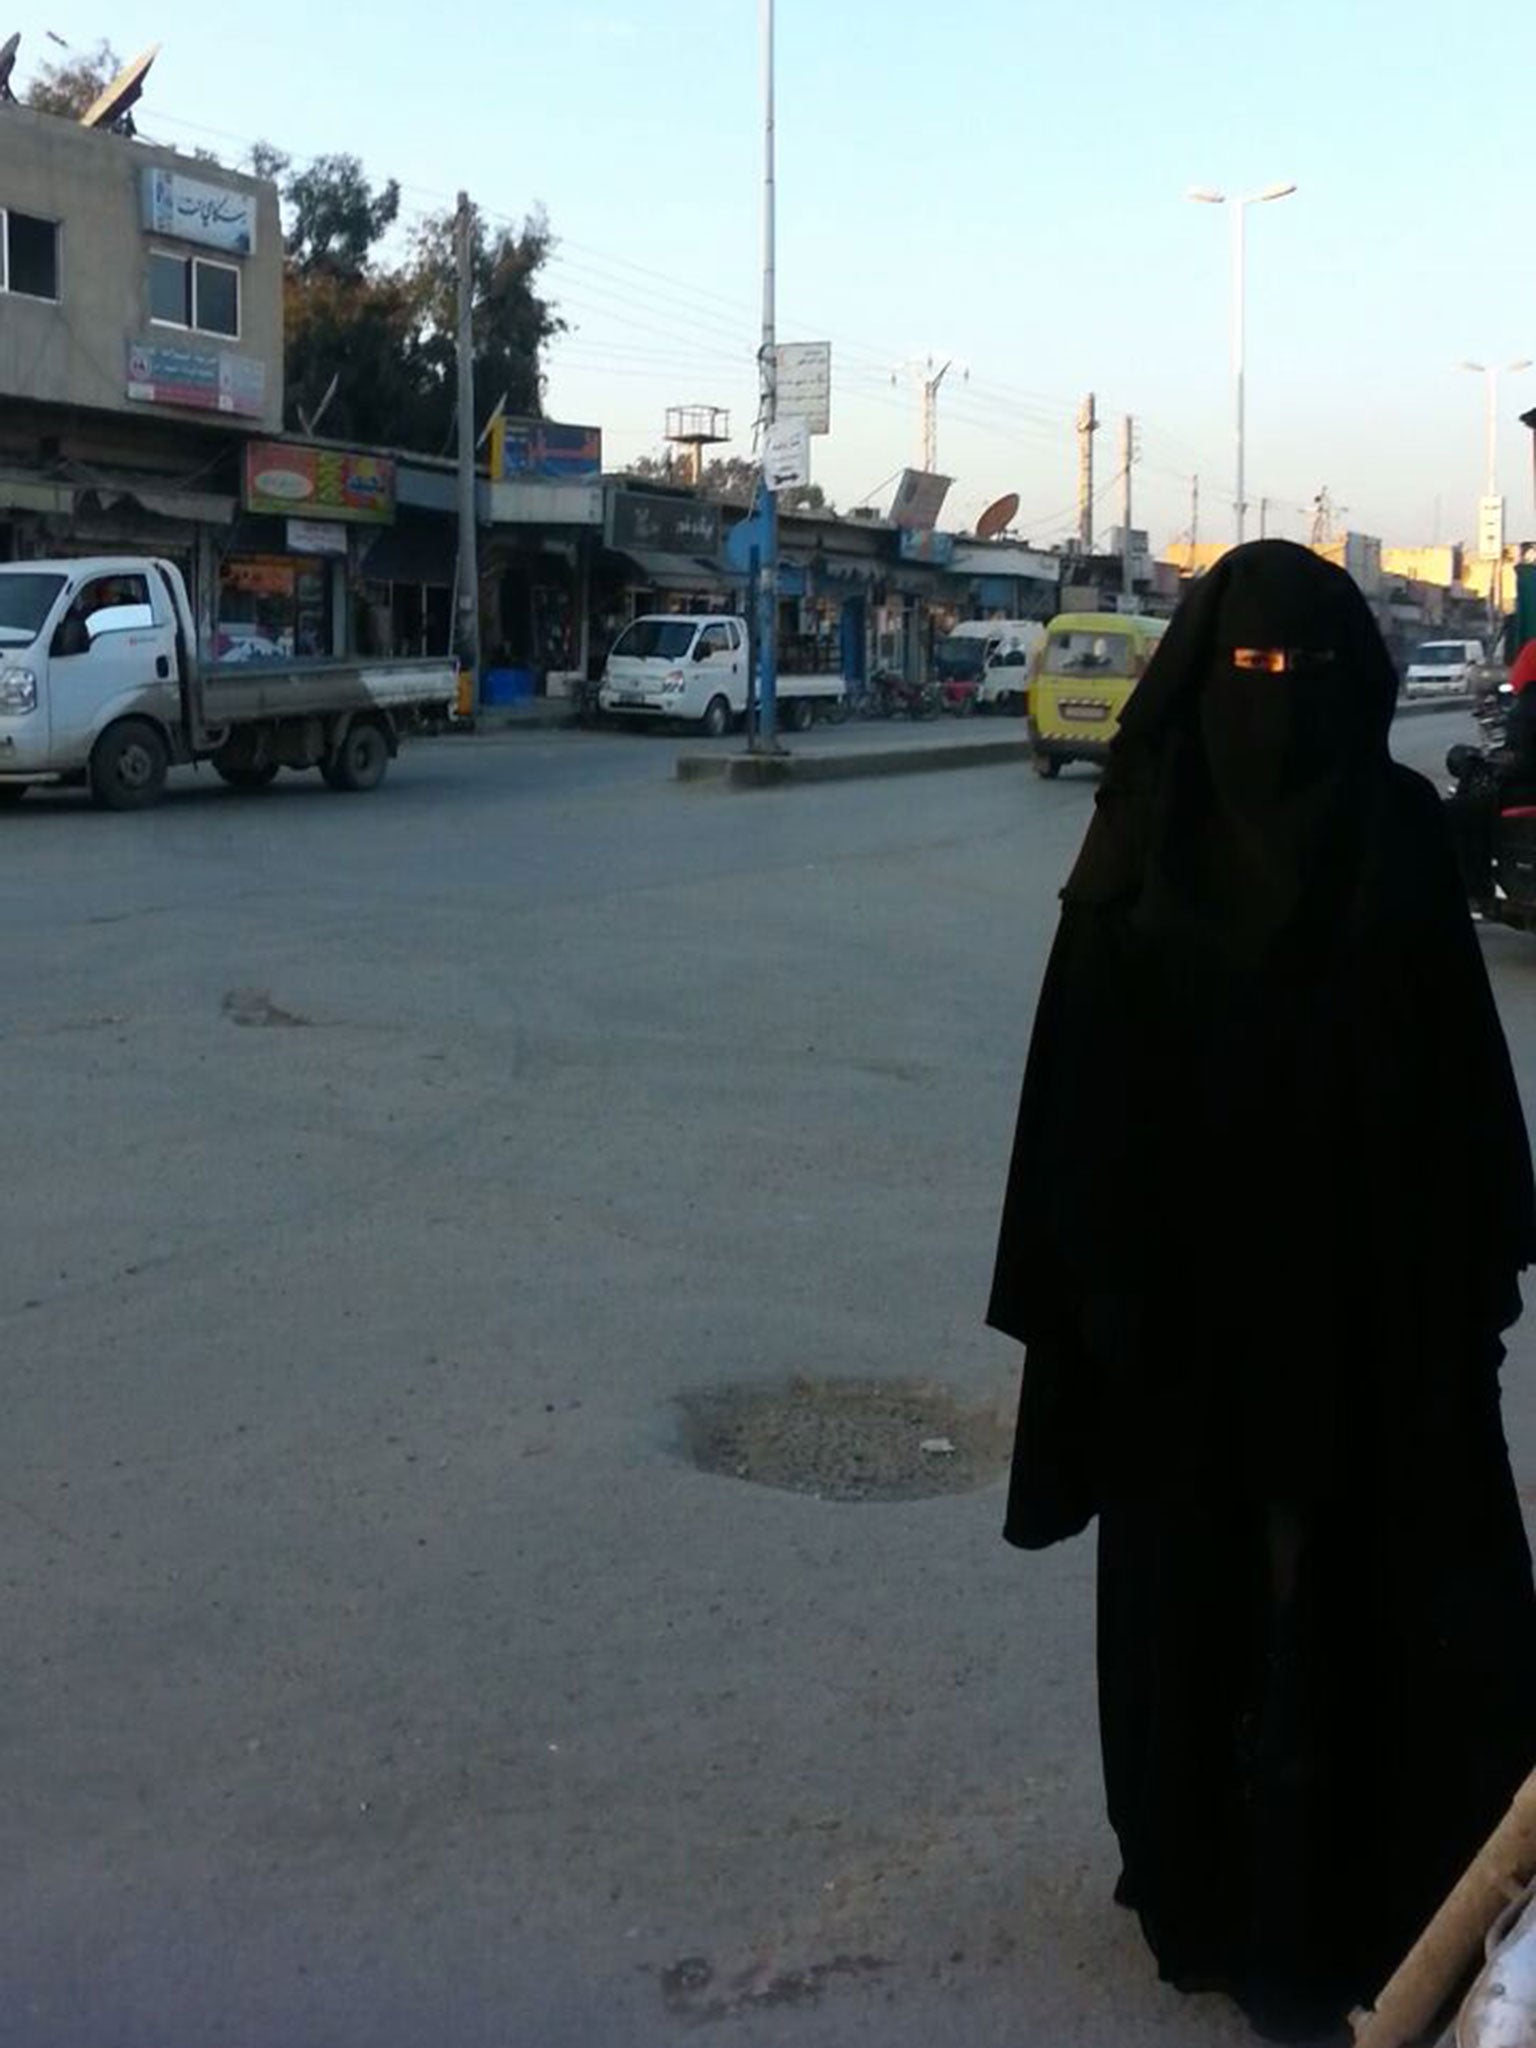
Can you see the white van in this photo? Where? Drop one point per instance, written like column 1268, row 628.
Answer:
column 998, row 655
column 1444, row 665
column 696, row 666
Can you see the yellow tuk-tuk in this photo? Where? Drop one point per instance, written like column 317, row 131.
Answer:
column 1087, row 669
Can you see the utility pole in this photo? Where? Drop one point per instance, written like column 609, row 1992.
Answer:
column 1087, row 427
column 469, row 566
column 931, row 385
column 1263, row 519
column 1194, row 521
column 768, row 559
column 1127, row 564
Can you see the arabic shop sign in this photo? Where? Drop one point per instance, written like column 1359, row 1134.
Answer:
column 668, row 526
column 201, row 380
column 926, row 544
column 324, row 483
column 528, row 448
column 214, row 215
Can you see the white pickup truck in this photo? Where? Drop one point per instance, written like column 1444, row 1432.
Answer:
column 696, row 666
column 100, row 684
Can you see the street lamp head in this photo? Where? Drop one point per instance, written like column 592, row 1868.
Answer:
column 1205, row 195
column 1277, row 192
column 1523, row 364
column 1467, row 363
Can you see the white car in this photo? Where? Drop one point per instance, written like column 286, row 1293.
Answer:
column 1443, row 665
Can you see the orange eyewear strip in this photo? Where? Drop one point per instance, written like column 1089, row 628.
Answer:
column 1275, row 661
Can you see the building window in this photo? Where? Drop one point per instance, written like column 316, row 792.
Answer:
column 29, row 256
column 189, row 291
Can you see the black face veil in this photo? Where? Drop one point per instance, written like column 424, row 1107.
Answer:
column 1247, row 777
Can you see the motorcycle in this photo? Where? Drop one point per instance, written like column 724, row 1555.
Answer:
column 894, row 696
column 1511, row 899
column 1490, row 710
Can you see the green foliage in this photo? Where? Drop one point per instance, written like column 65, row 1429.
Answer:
column 384, row 327
column 732, row 479
column 68, row 85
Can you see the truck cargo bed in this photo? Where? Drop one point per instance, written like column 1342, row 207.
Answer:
column 234, row 693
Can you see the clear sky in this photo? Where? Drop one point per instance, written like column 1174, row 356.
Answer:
column 1000, row 183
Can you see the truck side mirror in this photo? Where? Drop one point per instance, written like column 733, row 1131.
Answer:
column 702, row 651
column 72, row 636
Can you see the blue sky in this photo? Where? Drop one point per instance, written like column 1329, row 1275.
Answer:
column 1001, row 183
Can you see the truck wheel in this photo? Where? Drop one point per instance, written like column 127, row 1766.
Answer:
column 802, row 714
column 1047, row 767
column 247, row 778
column 361, row 760
column 128, row 766
column 716, row 722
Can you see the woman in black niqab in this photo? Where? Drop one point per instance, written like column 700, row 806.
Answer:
column 1269, row 1197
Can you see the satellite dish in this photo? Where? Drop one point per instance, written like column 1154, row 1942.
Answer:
column 113, row 110
column 8, row 51
column 998, row 516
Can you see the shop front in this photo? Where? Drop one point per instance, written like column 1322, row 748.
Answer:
column 287, row 578
column 276, row 607
column 660, row 554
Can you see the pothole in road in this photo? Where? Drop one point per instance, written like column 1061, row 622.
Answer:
column 852, row 1440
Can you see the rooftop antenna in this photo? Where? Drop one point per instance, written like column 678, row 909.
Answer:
column 8, row 51
column 113, row 111
column 998, row 517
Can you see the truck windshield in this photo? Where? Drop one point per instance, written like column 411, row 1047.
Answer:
column 1441, row 654
column 25, row 602
column 959, row 655
column 1088, row 654
column 655, row 640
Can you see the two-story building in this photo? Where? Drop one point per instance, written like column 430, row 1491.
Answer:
column 141, row 347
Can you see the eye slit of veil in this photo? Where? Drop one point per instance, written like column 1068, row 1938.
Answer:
column 1277, row 661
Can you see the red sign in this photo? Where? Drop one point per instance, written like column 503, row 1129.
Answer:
column 333, row 483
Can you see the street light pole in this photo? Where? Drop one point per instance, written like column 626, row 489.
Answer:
column 1491, row 372
column 1240, row 207
column 768, row 510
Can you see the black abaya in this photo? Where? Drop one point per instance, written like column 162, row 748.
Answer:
column 1269, row 1198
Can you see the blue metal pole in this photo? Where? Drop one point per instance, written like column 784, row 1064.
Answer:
column 768, row 624
column 768, row 573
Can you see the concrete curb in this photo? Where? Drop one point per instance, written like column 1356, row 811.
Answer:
column 775, row 771
column 771, row 771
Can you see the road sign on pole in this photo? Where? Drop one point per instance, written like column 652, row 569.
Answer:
column 804, row 380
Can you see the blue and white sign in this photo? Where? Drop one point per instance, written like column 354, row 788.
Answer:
column 190, row 211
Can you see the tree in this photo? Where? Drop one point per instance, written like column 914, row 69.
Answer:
column 336, row 218
column 372, row 345
column 69, row 84
column 351, row 367
column 732, row 480
column 513, row 323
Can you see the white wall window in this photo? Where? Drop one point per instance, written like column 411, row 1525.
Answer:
column 189, row 291
column 29, row 255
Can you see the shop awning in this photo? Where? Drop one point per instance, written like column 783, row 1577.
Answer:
column 189, row 508
column 21, row 494
column 672, row 572
column 424, row 551
column 203, row 508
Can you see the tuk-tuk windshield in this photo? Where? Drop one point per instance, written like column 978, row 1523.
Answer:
column 1088, row 654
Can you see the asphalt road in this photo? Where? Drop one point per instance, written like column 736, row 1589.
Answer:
column 379, row 1174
